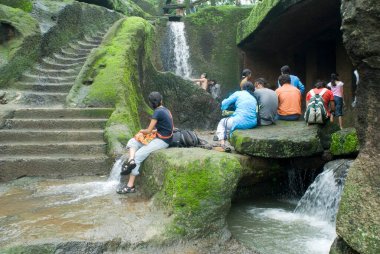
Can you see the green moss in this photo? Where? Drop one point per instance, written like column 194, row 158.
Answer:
column 257, row 15
column 25, row 5
column 41, row 249
column 344, row 142
column 113, row 69
column 197, row 187
column 20, row 52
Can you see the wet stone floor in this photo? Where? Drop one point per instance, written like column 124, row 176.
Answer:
column 38, row 210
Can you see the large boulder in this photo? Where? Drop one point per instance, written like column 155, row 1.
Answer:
column 285, row 139
column 195, row 186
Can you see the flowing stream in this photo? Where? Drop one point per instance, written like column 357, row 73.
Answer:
column 176, row 50
column 269, row 225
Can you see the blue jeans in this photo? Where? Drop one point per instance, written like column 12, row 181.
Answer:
column 143, row 151
column 338, row 106
column 294, row 117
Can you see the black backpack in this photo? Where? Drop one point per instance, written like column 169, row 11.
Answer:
column 185, row 138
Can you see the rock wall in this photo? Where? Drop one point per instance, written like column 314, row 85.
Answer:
column 120, row 74
column 358, row 222
column 49, row 26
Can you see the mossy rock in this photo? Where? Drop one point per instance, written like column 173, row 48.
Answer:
column 25, row 5
column 19, row 51
column 344, row 142
column 194, row 185
column 285, row 139
column 358, row 219
column 212, row 40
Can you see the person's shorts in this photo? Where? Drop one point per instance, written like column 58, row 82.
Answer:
column 338, row 106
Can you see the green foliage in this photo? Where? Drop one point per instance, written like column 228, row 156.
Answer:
column 25, row 5
column 344, row 142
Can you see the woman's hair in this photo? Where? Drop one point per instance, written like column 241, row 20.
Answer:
column 320, row 84
column 334, row 77
column 261, row 81
column 284, row 79
column 155, row 99
column 245, row 73
column 249, row 87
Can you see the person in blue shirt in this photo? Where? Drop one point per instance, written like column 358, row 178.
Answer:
column 244, row 116
column 294, row 80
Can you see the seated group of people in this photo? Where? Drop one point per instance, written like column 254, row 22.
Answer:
column 257, row 105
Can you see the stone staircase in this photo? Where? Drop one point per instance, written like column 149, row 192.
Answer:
column 40, row 137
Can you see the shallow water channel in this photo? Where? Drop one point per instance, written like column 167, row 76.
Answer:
column 270, row 226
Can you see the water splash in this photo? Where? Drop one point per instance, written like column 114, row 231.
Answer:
column 322, row 198
column 181, row 53
column 72, row 193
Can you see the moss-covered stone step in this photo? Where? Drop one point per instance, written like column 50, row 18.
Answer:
column 44, row 87
column 55, row 64
column 285, row 139
column 27, row 77
column 68, row 60
column 36, row 98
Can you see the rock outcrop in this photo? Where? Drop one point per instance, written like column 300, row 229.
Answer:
column 358, row 222
column 285, row 139
column 344, row 142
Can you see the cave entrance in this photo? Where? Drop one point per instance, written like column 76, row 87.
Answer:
column 7, row 33
column 306, row 37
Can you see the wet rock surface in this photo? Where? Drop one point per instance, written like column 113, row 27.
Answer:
column 282, row 140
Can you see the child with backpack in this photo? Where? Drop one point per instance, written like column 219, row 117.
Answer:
column 320, row 104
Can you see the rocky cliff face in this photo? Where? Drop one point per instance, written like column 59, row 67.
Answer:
column 358, row 223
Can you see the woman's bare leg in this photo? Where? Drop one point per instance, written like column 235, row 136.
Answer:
column 340, row 122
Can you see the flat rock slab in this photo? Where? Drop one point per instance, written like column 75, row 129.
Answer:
column 285, row 139
column 75, row 215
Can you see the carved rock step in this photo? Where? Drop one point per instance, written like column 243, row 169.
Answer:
column 45, row 113
column 74, row 53
column 49, row 63
column 73, row 124
column 41, row 99
column 59, row 58
column 50, row 135
column 52, row 72
column 47, row 79
column 47, row 87
column 44, row 148
column 52, row 166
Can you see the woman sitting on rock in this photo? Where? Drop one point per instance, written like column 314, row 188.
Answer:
column 244, row 117
column 161, row 124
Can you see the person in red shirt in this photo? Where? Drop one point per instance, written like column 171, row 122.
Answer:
column 328, row 97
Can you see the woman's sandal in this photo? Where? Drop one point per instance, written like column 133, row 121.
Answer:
column 127, row 167
column 221, row 148
column 124, row 189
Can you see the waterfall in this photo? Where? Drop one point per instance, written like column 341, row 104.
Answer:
column 322, row 198
column 176, row 51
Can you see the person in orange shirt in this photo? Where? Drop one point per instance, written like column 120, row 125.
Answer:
column 289, row 100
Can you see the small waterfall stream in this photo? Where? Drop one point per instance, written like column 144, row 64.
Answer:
column 271, row 226
column 176, row 52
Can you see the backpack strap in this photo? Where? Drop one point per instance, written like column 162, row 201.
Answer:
column 324, row 90
column 312, row 93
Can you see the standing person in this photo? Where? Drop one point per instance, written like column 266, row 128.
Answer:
column 336, row 87
column 245, row 76
column 162, row 121
column 294, row 80
column 289, row 100
column 244, row 116
column 267, row 102
column 202, row 81
column 214, row 89
column 326, row 94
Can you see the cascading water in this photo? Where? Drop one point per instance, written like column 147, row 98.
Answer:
column 272, row 226
column 176, row 50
